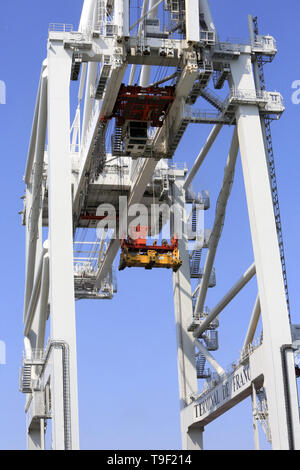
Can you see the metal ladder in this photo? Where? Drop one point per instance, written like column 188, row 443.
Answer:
column 261, row 413
column 177, row 137
column 200, row 364
column 220, row 76
column 201, row 83
column 102, row 81
column 117, row 141
column 194, row 219
column 165, row 187
column 25, row 379
column 195, row 263
column 272, row 172
column 214, row 100
column 100, row 15
column 98, row 158
column 195, row 256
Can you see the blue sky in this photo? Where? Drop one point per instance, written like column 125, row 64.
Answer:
column 128, row 391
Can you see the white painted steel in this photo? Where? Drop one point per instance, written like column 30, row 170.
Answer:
column 36, row 436
column 204, row 151
column 247, row 276
column 192, row 21
column 35, row 431
column 88, row 99
column 82, row 82
column 146, row 69
column 252, row 324
column 218, row 222
column 147, row 13
column 121, row 17
column 88, row 21
column 205, row 9
column 54, row 278
column 62, row 303
column 187, row 376
column 87, row 14
column 36, row 189
column 202, row 350
column 43, row 310
column 255, row 423
column 32, row 144
column 27, row 347
column 133, row 67
column 30, row 312
column 126, row 16
column 275, row 316
column 225, row 393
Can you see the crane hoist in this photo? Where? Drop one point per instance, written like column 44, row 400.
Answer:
column 136, row 253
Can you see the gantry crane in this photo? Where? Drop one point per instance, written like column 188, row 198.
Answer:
column 83, row 181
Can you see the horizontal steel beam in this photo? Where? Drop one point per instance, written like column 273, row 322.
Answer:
column 228, row 392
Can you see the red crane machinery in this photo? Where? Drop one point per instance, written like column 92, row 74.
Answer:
column 136, row 109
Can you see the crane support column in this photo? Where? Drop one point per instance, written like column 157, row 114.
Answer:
column 191, row 439
column 62, row 303
column 36, row 429
column 121, row 17
column 192, row 21
column 279, row 368
column 86, row 21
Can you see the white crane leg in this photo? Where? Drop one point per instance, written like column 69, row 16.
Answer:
column 62, row 303
column 279, row 368
column 187, row 377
